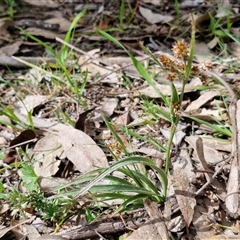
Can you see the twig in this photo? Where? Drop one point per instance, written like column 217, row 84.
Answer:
column 96, row 228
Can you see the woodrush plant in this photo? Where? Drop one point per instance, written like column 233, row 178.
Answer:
column 176, row 69
column 130, row 191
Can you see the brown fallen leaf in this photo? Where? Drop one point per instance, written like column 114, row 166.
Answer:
column 30, row 102
column 63, row 23
column 22, row 141
column 78, row 147
column 51, row 237
column 222, row 237
column 123, row 120
column 204, row 98
column 4, row 27
column 11, row 49
column 165, row 89
column 80, row 123
column 184, row 194
column 211, row 148
column 48, row 154
column 154, row 17
column 43, row 33
column 81, row 150
column 5, row 230
column 43, row 3
column 31, row 232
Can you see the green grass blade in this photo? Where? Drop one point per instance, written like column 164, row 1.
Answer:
column 122, row 163
column 69, row 34
column 217, row 129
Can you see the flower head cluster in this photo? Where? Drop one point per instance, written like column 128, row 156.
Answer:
column 180, row 50
column 175, row 67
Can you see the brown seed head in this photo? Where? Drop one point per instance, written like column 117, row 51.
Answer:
column 166, row 61
column 180, row 49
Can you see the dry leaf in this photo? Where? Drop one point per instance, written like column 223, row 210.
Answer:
column 147, row 232
column 208, row 114
column 48, row 153
column 30, row 102
column 11, row 49
column 48, row 183
column 43, row 3
column 80, row 123
column 63, row 23
column 108, row 106
column 211, row 142
column 213, row 43
column 184, row 194
column 81, row 150
column 31, row 232
column 178, row 136
column 222, row 237
column 190, row 3
column 154, row 17
column 123, row 120
column 43, row 33
column 51, row 237
column 232, row 198
column 204, row 98
column 5, row 230
column 201, row 222
column 224, row 10
column 150, row 152
column 176, row 224
column 4, row 27
column 22, row 141
column 212, row 155
column 166, row 89
column 202, row 52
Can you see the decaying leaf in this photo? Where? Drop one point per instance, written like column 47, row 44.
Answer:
column 109, row 105
column 43, row 33
column 10, row 49
column 43, row 3
column 31, row 232
column 30, row 102
column 80, row 123
column 211, row 147
column 178, row 136
column 48, row 183
column 92, row 63
column 47, row 155
column 146, row 232
column 63, row 23
column 5, row 230
column 166, row 89
column 22, row 141
column 154, row 17
column 81, row 150
column 185, row 194
column 204, row 98
column 123, row 120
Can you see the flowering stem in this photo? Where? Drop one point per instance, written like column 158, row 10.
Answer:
column 176, row 118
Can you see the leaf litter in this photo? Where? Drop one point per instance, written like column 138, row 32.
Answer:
column 204, row 187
